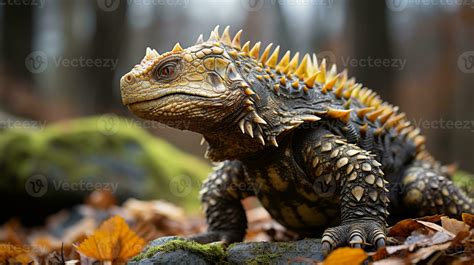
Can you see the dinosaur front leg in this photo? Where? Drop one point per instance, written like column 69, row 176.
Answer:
column 359, row 180
column 221, row 197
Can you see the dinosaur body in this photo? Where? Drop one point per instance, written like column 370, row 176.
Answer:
column 324, row 155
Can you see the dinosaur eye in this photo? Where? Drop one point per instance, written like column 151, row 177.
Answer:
column 167, row 70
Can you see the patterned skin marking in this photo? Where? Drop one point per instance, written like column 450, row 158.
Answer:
column 295, row 135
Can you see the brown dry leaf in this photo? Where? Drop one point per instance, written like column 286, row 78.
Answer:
column 113, row 241
column 431, row 218
column 346, row 255
column 436, row 227
column 468, row 219
column 404, row 228
column 101, row 199
column 16, row 255
column 454, row 226
column 424, row 253
column 390, row 261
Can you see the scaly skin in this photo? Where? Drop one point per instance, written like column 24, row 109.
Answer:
column 322, row 154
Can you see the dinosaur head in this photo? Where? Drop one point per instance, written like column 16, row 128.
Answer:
column 199, row 84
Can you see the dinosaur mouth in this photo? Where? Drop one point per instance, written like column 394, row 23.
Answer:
column 167, row 94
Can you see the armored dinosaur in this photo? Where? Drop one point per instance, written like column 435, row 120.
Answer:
column 326, row 156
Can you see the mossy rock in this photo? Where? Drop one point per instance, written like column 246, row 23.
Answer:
column 63, row 162
column 175, row 250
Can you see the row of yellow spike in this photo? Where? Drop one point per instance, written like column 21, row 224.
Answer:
column 310, row 71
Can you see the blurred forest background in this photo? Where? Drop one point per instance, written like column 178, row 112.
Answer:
column 418, row 55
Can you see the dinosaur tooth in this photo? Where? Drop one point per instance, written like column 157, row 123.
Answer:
column 372, row 116
column 293, row 64
column 273, row 58
column 177, row 48
column 255, row 51
column 262, row 141
column 362, row 112
column 242, row 125
column 301, row 70
column 225, row 38
column 310, row 118
column 273, row 141
column 236, row 40
column 249, row 128
column 296, row 122
column 246, row 48
column 309, row 82
column 284, row 61
column 258, row 119
column 265, row 53
column 322, row 68
column 341, row 114
column 248, row 102
column 203, row 140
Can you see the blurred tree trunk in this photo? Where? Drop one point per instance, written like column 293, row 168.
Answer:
column 17, row 28
column 367, row 28
column 106, row 45
column 462, row 149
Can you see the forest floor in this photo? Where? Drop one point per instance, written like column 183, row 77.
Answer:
column 102, row 230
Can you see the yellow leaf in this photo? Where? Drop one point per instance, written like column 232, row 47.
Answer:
column 113, row 241
column 345, row 255
column 468, row 219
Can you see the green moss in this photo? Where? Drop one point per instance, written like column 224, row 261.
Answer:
column 264, row 259
column 210, row 252
column 72, row 148
column 465, row 181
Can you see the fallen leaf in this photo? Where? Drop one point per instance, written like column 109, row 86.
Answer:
column 425, row 252
column 436, row 227
column 390, row 261
column 404, row 228
column 468, row 219
column 454, row 226
column 346, row 255
column 113, row 241
column 10, row 254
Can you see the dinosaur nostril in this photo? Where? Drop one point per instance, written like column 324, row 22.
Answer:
column 128, row 78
